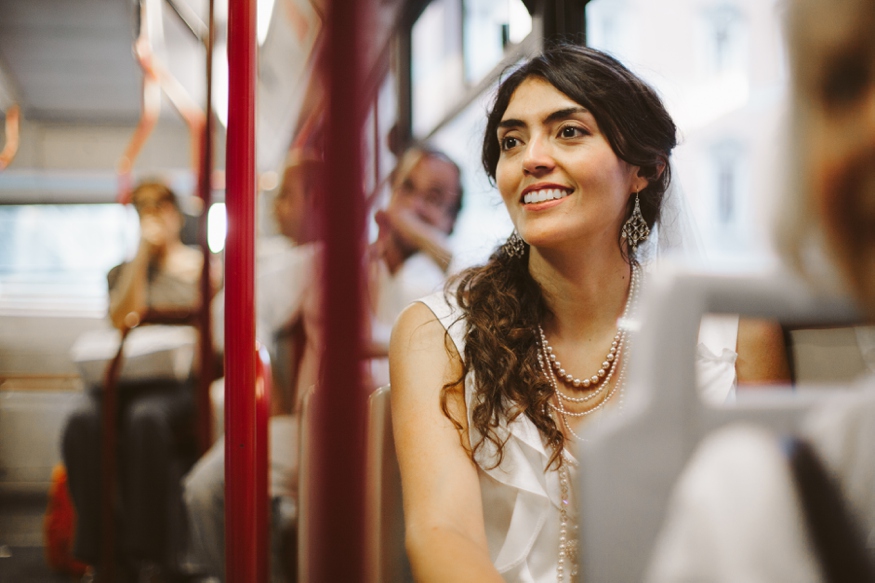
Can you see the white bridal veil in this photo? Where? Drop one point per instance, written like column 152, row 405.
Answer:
column 676, row 236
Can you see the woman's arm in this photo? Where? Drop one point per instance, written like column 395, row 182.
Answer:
column 418, row 234
column 443, row 513
column 762, row 354
column 129, row 293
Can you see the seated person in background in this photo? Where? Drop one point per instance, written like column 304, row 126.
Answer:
column 407, row 261
column 156, row 417
column 751, row 506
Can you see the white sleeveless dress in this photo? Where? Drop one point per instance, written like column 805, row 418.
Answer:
column 520, row 497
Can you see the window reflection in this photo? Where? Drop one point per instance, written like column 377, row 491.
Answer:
column 436, row 63
column 57, row 256
column 489, row 27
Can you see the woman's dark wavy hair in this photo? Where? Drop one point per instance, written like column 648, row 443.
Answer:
column 501, row 304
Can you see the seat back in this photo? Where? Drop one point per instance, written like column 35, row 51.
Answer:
column 386, row 555
column 632, row 460
column 305, row 469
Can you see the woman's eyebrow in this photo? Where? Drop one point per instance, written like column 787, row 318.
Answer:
column 553, row 117
column 511, row 123
column 565, row 113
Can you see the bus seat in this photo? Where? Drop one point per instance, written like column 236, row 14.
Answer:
column 386, row 554
column 633, row 459
column 825, row 354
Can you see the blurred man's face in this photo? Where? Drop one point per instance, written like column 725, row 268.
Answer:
column 431, row 191
column 292, row 208
column 835, row 47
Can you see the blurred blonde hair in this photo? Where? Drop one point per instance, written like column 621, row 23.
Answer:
column 799, row 235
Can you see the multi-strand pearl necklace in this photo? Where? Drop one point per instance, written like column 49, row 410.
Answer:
column 594, row 380
column 597, row 383
column 602, row 379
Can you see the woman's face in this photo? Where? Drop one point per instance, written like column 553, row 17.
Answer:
column 430, row 191
column 155, row 208
column 836, row 96
column 559, row 177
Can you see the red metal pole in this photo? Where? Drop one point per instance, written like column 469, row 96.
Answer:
column 240, row 483
column 337, row 528
column 205, row 190
column 109, row 463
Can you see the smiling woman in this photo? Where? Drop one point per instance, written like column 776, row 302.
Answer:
column 578, row 147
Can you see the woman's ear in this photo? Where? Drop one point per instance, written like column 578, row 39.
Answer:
column 640, row 180
column 648, row 174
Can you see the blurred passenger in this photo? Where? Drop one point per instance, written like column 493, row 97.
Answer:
column 156, row 417
column 751, row 506
column 579, row 150
column 407, row 261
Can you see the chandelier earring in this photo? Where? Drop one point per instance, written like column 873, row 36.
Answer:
column 635, row 230
column 514, row 246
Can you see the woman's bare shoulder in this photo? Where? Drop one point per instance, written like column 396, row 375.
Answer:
column 418, row 330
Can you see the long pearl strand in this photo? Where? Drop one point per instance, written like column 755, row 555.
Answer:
column 568, row 544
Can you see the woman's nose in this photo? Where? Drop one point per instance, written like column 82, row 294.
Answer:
column 538, row 157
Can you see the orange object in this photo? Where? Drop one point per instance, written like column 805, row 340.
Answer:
column 13, row 117
column 59, row 525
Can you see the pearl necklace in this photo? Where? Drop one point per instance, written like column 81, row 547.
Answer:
column 594, row 380
column 601, row 379
column 568, row 544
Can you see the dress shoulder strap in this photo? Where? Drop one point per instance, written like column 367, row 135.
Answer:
column 447, row 311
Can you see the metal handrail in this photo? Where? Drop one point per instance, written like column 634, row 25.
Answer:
column 240, row 407
column 13, row 117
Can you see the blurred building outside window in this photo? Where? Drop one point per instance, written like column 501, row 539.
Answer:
column 437, row 69
column 489, row 27
column 720, row 69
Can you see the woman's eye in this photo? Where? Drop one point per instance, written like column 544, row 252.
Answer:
column 571, row 132
column 509, row 143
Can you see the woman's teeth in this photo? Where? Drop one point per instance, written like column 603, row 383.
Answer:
column 546, row 194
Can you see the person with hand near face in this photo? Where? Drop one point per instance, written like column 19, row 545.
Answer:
column 407, row 261
column 411, row 255
column 163, row 274
column 156, row 416
column 425, row 201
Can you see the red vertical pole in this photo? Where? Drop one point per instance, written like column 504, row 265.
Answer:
column 240, row 484
column 338, row 506
column 205, row 190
